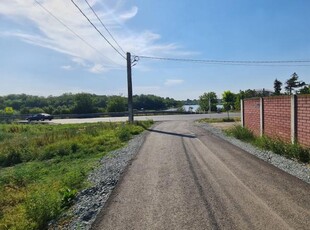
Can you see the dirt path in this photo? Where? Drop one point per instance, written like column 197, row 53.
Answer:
column 185, row 178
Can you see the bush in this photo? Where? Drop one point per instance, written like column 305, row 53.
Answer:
column 124, row 134
column 240, row 133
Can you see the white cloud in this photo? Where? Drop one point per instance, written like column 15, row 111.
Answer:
column 172, row 82
column 97, row 68
column 129, row 14
column 90, row 51
column 67, row 67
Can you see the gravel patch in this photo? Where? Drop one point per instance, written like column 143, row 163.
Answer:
column 103, row 179
column 292, row 167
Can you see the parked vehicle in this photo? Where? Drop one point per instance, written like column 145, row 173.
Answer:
column 40, row 117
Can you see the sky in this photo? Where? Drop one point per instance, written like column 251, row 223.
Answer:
column 47, row 47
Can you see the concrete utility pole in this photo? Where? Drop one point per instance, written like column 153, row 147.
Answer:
column 209, row 104
column 129, row 84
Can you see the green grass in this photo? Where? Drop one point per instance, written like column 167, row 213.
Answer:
column 291, row 151
column 217, row 120
column 42, row 167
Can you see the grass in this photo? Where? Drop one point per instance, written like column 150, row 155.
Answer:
column 217, row 120
column 42, row 167
column 291, row 151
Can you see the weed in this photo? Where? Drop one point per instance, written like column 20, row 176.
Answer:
column 276, row 145
column 124, row 134
column 42, row 206
column 240, row 133
column 48, row 165
column 67, row 196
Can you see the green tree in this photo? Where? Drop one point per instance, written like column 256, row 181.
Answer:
column 277, row 85
column 293, row 83
column 305, row 90
column 228, row 101
column 117, row 104
column 238, row 97
column 204, row 101
column 83, row 103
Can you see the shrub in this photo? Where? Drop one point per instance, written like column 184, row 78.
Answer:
column 124, row 134
column 240, row 133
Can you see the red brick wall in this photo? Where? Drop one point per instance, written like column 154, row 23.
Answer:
column 303, row 121
column 252, row 115
column 277, row 117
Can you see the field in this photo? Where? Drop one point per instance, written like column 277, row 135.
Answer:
column 42, row 167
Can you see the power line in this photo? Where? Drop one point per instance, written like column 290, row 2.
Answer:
column 104, row 26
column 97, row 29
column 72, row 31
column 229, row 62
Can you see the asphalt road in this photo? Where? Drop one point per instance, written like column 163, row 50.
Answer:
column 180, row 117
column 185, row 178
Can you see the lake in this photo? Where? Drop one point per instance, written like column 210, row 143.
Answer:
column 194, row 108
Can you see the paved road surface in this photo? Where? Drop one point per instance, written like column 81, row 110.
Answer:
column 180, row 117
column 186, row 178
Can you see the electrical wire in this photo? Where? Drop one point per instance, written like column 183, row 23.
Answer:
column 227, row 62
column 98, row 30
column 76, row 34
column 104, row 26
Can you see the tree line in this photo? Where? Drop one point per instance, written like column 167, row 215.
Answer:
column 80, row 103
column 231, row 101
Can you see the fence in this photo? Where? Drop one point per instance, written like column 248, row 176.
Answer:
column 284, row 117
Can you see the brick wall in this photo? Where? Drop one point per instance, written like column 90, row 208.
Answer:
column 277, row 114
column 303, row 121
column 252, row 115
column 277, row 117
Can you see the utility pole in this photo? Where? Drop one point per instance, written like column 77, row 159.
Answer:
column 129, row 84
column 209, row 105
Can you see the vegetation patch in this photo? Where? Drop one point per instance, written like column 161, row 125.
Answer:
column 291, row 151
column 43, row 167
column 217, row 120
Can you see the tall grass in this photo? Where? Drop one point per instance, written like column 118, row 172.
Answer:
column 43, row 166
column 291, row 151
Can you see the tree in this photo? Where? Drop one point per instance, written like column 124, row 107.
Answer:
column 83, row 103
column 117, row 104
column 277, row 85
column 228, row 99
column 238, row 98
column 293, row 83
column 204, row 101
column 305, row 90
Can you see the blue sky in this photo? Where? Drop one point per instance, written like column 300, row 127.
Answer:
column 40, row 56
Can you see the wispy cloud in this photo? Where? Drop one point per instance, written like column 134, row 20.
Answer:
column 84, row 46
column 97, row 68
column 172, row 82
column 67, row 67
